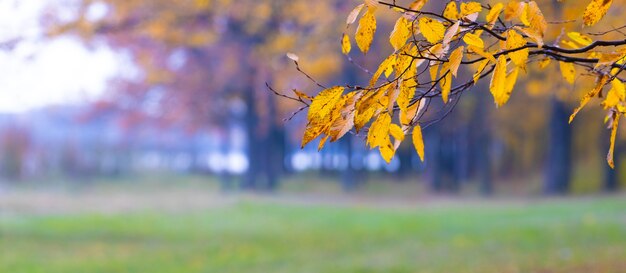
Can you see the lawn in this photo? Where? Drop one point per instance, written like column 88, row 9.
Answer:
column 261, row 235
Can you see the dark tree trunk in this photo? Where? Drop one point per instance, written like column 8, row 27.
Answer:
column 483, row 157
column 483, row 132
column 443, row 167
column 611, row 182
column 250, row 120
column 274, row 153
column 433, row 161
column 405, row 155
column 462, row 153
column 559, row 160
column 348, row 175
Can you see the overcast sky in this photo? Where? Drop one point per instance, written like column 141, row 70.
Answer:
column 43, row 72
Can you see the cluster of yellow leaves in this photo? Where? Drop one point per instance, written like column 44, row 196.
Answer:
column 531, row 17
column 442, row 42
column 614, row 100
column 616, row 103
column 377, row 102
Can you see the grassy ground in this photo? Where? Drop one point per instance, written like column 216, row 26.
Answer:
column 286, row 234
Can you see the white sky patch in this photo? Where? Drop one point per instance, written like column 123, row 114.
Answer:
column 40, row 72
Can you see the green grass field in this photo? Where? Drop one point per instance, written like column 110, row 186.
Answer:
column 267, row 235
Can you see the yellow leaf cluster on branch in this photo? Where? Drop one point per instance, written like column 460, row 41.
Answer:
column 456, row 49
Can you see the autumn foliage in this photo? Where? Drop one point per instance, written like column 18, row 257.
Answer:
column 497, row 43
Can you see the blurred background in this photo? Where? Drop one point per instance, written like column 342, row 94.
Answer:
column 140, row 135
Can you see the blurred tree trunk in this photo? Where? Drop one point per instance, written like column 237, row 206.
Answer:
column 482, row 129
column 444, row 175
column 405, row 155
column 434, row 160
column 266, row 146
column 559, row 161
column 274, row 145
column 251, row 121
column 611, row 181
column 348, row 175
column 462, row 138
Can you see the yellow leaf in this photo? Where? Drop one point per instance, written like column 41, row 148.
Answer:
column 301, row 95
column 450, row 33
column 407, row 93
column 455, row 60
column 387, row 151
column 320, row 146
column 446, row 86
column 494, row 13
column 396, row 132
column 579, row 38
column 451, row 12
column 408, row 69
column 473, row 40
column 405, row 64
column 619, row 89
column 513, row 10
column 470, row 10
column 366, row 107
column 432, row 29
column 401, row 32
column 434, row 72
column 498, row 82
column 409, row 115
column 344, row 121
column 323, row 124
column 570, row 44
column 313, row 130
column 616, row 95
column 524, row 14
column 532, row 34
column 511, row 79
column 594, row 92
column 324, row 102
column 595, row 11
column 418, row 141
column 346, row 46
column 437, row 51
column 537, row 21
column 384, row 66
column 568, row 71
column 365, row 32
column 393, row 90
column 354, row 14
column 378, row 133
column 389, row 69
column 609, row 156
column 514, row 41
column 418, row 4
column 481, row 67
column 336, row 120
